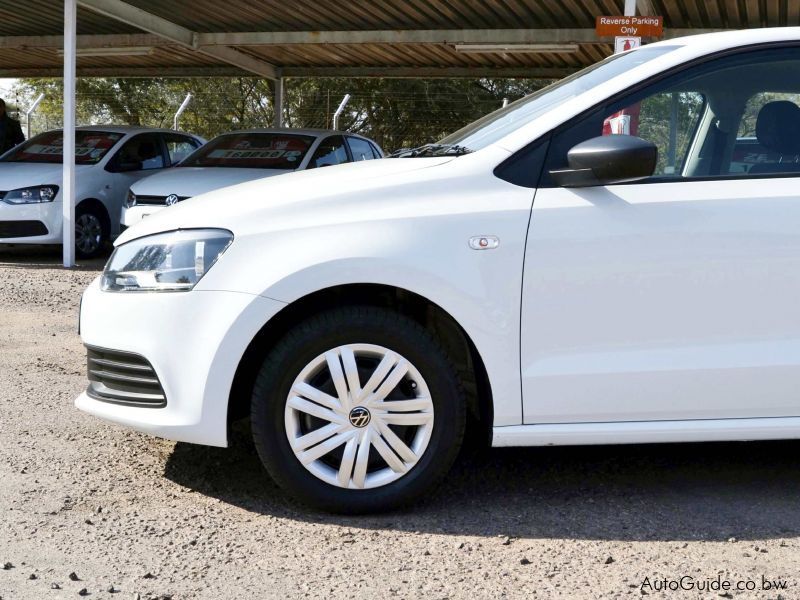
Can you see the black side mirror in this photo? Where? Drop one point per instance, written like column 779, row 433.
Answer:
column 606, row 160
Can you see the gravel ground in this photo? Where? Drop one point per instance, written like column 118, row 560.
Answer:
column 86, row 505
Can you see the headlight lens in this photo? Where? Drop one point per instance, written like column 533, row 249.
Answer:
column 166, row 262
column 32, row 195
column 130, row 200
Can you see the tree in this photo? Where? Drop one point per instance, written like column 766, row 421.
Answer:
column 395, row 112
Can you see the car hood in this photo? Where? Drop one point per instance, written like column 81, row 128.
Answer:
column 298, row 199
column 193, row 181
column 15, row 175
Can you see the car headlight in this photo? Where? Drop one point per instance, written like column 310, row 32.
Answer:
column 32, row 195
column 165, row 262
column 130, row 200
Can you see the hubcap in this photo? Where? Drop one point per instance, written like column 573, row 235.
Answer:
column 359, row 416
column 88, row 233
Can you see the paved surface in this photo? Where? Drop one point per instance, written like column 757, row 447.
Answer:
column 160, row 519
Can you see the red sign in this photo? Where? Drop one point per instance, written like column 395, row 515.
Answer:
column 629, row 26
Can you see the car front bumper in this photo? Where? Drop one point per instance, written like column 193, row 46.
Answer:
column 194, row 342
column 30, row 223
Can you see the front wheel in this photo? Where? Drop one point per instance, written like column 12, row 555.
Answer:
column 91, row 232
column 357, row 410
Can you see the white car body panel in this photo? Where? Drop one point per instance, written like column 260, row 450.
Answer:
column 630, row 292
column 618, row 332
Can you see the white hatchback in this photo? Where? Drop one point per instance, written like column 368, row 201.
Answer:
column 242, row 156
column 598, row 263
column 108, row 160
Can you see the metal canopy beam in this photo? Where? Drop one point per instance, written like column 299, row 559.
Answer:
column 303, row 72
column 267, row 38
column 136, row 17
column 421, row 36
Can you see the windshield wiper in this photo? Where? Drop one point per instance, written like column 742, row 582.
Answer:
column 433, row 150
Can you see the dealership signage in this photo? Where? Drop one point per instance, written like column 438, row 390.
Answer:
column 614, row 26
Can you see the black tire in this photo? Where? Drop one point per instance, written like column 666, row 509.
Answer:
column 91, row 231
column 356, row 325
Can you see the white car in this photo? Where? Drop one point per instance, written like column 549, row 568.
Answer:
column 108, row 160
column 553, row 284
column 242, row 156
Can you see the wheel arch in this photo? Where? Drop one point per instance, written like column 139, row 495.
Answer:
column 461, row 349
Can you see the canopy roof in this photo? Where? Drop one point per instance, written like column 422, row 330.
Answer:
column 408, row 38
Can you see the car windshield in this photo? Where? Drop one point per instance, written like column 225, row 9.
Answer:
column 90, row 147
column 498, row 124
column 252, row 151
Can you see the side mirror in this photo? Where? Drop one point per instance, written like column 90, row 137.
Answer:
column 606, row 160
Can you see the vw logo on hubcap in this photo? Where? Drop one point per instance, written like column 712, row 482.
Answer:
column 359, row 417
column 171, row 199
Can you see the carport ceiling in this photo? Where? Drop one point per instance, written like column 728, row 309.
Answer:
column 389, row 38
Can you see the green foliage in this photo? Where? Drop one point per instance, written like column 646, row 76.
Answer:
column 395, row 112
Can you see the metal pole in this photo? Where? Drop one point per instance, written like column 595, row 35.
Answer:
column 68, row 181
column 505, row 102
column 339, row 110
column 278, row 103
column 630, row 8
column 29, row 112
column 182, row 108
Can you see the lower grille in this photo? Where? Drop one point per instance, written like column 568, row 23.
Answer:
column 156, row 200
column 18, row 229
column 123, row 378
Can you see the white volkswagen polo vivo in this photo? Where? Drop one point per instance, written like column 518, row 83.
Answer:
column 554, row 284
column 241, row 156
column 108, row 160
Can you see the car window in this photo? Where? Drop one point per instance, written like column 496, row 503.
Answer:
column 668, row 119
column 375, row 152
column 360, row 149
column 141, row 153
column 331, row 151
column 90, row 147
column 701, row 124
column 179, row 146
column 252, row 151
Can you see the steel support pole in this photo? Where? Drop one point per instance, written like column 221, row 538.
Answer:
column 278, row 102
column 68, row 180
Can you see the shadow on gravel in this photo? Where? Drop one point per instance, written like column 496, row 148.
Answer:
column 654, row 492
column 45, row 257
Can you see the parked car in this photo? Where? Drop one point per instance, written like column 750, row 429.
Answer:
column 553, row 284
column 242, row 156
column 108, row 160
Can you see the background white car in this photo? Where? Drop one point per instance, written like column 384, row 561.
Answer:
column 242, row 156
column 108, row 160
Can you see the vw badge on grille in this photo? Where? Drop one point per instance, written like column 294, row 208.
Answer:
column 359, row 417
column 171, row 199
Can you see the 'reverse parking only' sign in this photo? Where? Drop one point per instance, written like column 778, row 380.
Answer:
column 614, row 26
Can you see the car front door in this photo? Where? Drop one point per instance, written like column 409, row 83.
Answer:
column 675, row 297
column 140, row 156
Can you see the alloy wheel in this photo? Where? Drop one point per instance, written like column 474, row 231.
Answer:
column 88, row 233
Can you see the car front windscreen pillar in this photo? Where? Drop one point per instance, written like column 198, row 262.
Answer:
column 68, row 178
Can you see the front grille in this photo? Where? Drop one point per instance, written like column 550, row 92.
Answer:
column 123, row 378
column 156, row 200
column 19, row 229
